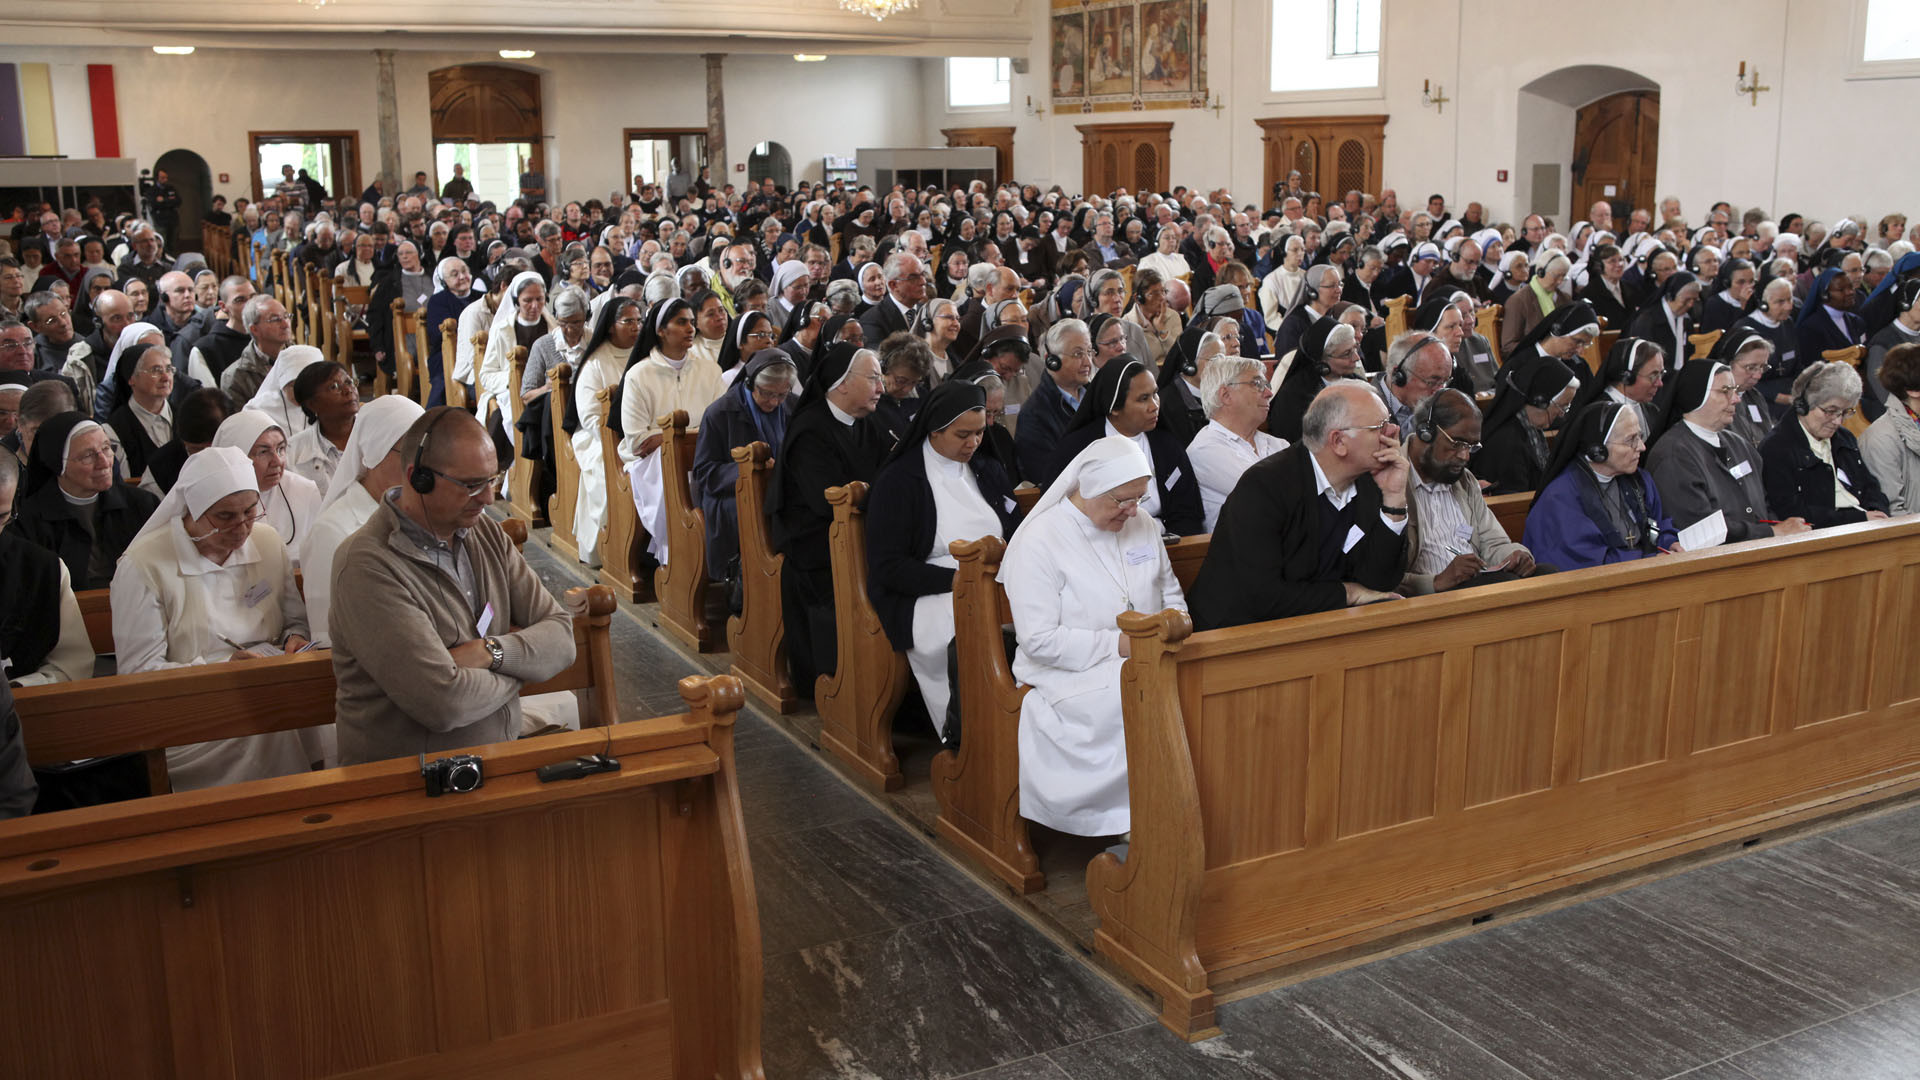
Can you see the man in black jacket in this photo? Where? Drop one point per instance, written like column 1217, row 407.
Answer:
column 906, row 280
column 1316, row 527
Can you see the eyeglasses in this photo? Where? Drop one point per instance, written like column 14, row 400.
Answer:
column 1125, row 504
column 1430, row 382
column 229, row 520
column 1380, row 427
column 1261, row 385
column 472, row 488
column 1637, row 442
column 1469, row 447
column 1837, row 414
column 91, row 457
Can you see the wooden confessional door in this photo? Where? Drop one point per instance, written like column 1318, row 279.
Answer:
column 1131, row 156
column 1335, row 154
column 1616, row 145
column 486, row 103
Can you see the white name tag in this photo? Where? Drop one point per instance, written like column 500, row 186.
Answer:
column 257, row 593
column 485, row 622
column 1741, row 471
column 1754, row 411
column 1842, row 474
column 1786, row 357
column 1463, row 536
column 1013, row 410
column 1173, row 479
column 1354, row 534
column 1139, row 556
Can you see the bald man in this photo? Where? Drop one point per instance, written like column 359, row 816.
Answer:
column 173, row 306
column 437, row 621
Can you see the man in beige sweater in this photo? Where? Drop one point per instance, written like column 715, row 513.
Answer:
column 437, row 620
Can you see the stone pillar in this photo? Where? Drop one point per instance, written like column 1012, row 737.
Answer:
column 389, row 124
column 716, row 123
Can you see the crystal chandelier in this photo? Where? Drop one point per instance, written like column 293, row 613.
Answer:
column 879, row 9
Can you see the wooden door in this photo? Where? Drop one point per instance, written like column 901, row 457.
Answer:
column 486, row 103
column 1131, row 156
column 1000, row 138
column 1616, row 145
column 1335, row 154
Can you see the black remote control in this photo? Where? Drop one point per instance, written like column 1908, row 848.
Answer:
column 577, row 768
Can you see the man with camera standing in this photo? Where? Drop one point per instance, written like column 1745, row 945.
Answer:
column 437, row 621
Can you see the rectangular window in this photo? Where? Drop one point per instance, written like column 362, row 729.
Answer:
column 975, row 82
column 1893, row 31
column 1325, row 45
column 1356, row 28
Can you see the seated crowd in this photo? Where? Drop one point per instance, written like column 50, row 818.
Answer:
column 1161, row 366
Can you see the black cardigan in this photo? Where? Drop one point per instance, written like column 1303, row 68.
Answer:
column 901, row 518
column 1801, row 485
column 1180, row 509
column 48, row 519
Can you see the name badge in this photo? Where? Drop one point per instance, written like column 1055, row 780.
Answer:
column 1741, row 471
column 1173, row 479
column 1354, row 535
column 1011, row 505
column 485, row 622
column 1463, row 536
column 1842, row 474
column 1754, row 411
column 257, row 593
column 1139, row 556
column 1013, row 410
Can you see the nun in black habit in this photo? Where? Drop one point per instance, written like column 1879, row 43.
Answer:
column 1598, row 506
column 1531, row 399
column 1327, row 353
column 1725, row 307
column 1668, row 320
column 1124, row 400
column 821, row 450
column 747, row 413
column 935, row 488
column 998, row 441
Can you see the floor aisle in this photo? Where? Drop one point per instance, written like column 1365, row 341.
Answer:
column 885, row 961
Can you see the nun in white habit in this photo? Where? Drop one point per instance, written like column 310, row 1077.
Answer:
column 206, row 575
column 291, row 501
column 275, row 396
column 615, row 332
column 1085, row 555
column 521, row 320
column 368, row 467
column 672, row 375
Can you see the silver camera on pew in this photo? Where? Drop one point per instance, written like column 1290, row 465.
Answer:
column 458, row 774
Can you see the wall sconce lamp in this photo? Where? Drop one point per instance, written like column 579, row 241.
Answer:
column 1435, row 96
column 1750, row 87
column 1033, row 110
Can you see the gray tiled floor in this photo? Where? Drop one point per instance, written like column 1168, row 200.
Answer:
column 883, row 960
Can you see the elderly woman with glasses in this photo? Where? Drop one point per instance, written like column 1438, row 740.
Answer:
column 290, row 501
column 1598, row 507
column 1812, row 466
column 207, row 582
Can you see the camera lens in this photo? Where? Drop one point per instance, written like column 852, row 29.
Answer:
column 463, row 777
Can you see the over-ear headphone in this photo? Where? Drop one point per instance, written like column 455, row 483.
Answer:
column 1421, row 339
column 1423, row 428
column 1190, row 366
column 420, row 478
column 1596, row 453
column 1633, row 362
column 1800, row 406
column 1053, row 361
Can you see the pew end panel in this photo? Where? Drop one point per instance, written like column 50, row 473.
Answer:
column 449, row 352
column 978, row 785
column 342, row 923
column 566, row 472
column 622, row 556
column 523, row 501
column 681, row 584
column 857, row 701
column 1398, row 316
column 1363, row 775
column 757, row 636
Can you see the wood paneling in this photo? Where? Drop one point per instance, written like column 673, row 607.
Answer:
column 1335, row 154
column 487, row 103
column 1511, row 717
column 1131, row 156
column 1558, row 738
column 1616, row 143
column 1904, row 606
column 1000, row 138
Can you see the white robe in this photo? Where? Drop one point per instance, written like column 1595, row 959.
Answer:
column 605, row 368
column 337, row 522
column 654, row 388
column 474, row 318
column 960, row 513
column 309, row 454
column 292, row 506
column 1063, row 584
column 171, row 606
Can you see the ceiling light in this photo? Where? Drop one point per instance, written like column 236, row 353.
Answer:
column 516, row 54
column 808, row 58
column 174, row 50
column 879, row 9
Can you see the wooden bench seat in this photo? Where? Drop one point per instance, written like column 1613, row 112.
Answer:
column 524, row 501
column 150, row 711
column 622, row 555
column 1306, row 787
column 757, row 637
column 344, row 924
column 858, row 699
column 566, row 466
column 681, row 584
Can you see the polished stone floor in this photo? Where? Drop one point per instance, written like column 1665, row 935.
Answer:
column 885, row 958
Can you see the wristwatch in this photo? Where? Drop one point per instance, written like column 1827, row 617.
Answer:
column 499, row 654
column 1396, row 511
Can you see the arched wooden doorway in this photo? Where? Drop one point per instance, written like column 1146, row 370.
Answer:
column 1616, row 147
column 187, row 172
column 477, row 106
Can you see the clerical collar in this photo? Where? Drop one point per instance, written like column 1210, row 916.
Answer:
column 841, row 414
column 1711, row 438
column 1598, row 475
column 1764, row 319
column 78, row 500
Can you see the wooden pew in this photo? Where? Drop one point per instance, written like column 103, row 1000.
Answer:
column 857, row 701
column 1306, row 787
column 566, row 473
column 216, row 241
column 1597, row 350
column 681, row 584
column 1398, row 319
column 978, row 786
column 346, row 335
column 449, row 350
column 1511, row 510
column 409, row 359
column 523, row 501
column 342, row 923
column 626, row 543
column 139, row 713
column 757, row 636
column 1703, row 343
column 1486, row 323
column 1853, row 356
column 320, row 310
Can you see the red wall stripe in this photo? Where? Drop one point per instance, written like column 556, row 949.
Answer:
column 106, row 111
